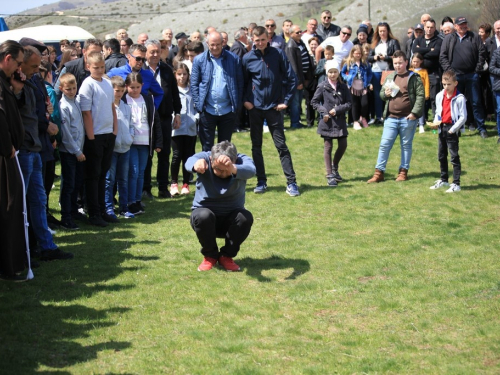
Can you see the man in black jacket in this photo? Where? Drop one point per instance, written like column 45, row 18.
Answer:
column 170, row 105
column 113, row 57
column 327, row 29
column 239, row 47
column 429, row 46
column 464, row 53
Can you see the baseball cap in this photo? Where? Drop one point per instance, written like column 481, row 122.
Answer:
column 460, row 20
column 34, row 43
column 419, row 26
column 180, row 36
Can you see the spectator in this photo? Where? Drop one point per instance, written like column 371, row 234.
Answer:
column 285, row 30
column 418, row 31
column 113, row 57
column 327, row 29
column 168, row 36
column 361, row 36
column 141, row 39
column 225, row 39
column 182, row 40
column 125, row 45
column 495, row 75
column 239, row 47
column 121, row 34
column 274, row 39
column 341, row 44
column 312, row 26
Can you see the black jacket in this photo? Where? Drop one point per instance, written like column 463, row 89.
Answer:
column 495, row 69
column 294, row 55
column 77, row 68
column 491, row 46
column 392, row 46
column 430, row 52
column 171, row 102
column 238, row 49
column 115, row 60
column 477, row 50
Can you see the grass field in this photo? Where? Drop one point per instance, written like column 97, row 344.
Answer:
column 381, row 278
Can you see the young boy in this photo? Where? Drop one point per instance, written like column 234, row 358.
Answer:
column 451, row 114
column 320, row 68
column 70, row 150
column 99, row 118
column 118, row 170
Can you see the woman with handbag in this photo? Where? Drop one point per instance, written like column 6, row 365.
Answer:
column 383, row 47
column 357, row 74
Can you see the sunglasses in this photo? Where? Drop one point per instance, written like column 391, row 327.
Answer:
column 383, row 24
column 346, row 33
column 273, row 25
column 327, row 18
column 139, row 59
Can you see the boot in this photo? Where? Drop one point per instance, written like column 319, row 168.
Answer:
column 363, row 122
column 403, row 175
column 378, row 176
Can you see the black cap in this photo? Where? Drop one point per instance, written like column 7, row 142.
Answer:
column 419, row 26
column 180, row 36
column 460, row 20
column 362, row 29
column 34, row 43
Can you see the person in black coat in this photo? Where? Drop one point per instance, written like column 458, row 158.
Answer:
column 332, row 100
column 239, row 47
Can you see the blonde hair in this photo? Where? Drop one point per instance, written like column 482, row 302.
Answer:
column 350, row 59
column 117, row 81
column 95, row 57
column 67, row 79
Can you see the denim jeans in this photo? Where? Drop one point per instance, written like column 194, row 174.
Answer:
column 137, row 164
column 72, row 179
column 275, row 124
column 392, row 128
column 208, row 123
column 31, row 166
column 469, row 85
column 377, row 102
column 497, row 96
column 294, row 105
column 118, row 171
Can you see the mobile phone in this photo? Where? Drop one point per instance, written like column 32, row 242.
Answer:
column 17, row 76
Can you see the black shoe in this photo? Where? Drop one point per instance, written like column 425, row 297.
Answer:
column 51, row 220
column 484, row 135
column 79, row 216
column 164, row 194
column 147, row 194
column 97, row 221
column 135, row 209
column 109, row 218
column 298, row 126
column 336, row 176
column 330, row 180
column 48, row 255
column 69, row 224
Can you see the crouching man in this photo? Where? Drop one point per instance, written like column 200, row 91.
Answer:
column 218, row 206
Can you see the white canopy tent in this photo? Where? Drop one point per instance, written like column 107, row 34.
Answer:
column 47, row 34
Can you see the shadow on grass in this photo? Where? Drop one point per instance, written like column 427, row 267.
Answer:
column 480, row 187
column 255, row 267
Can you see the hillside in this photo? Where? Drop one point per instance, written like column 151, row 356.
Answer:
column 101, row 17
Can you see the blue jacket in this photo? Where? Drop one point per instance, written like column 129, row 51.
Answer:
column 269, row 78
column 150, row 83
column 201, row 76
column 365, row 71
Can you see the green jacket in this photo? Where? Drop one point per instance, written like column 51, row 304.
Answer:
column 415, row 92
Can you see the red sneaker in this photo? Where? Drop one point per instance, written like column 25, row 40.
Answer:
column 228, row 264
column 207, row 264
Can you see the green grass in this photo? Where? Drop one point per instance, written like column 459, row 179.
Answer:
column 383, row 278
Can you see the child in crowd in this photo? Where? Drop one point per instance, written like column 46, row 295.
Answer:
column 184, row 138
column 320, row 68
column 451, row 114
column 332, row 100
column 416, row 65
column 118, row 171
column 357, row 73
column 147, row 134
column 70, row 150
column 99, row 117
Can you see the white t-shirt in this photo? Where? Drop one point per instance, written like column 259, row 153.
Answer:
column 380, row 66
column 341, row 49
column 98, row 97
column 139, row 120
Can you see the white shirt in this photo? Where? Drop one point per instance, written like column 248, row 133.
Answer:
column 341, row 49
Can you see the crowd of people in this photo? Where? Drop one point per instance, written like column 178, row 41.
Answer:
column 105, row 108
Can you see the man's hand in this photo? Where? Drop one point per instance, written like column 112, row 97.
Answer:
column 17, row 85
column 300, row 87
column 200, row 166
column 411, row 116
column 158, row 150
column 81, row 158
column 223, row 166
column 13, row 153
column 332, row 112
column 326, row 118
column 281, row 107
column 177, row 122
column 52, row 129
column 248, row 105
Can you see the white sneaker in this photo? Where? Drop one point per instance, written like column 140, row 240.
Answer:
column 174, row 189
column 356, row 126
column 438, row 184
column 421, row 129
column 453, row 188
column 371, row 122
column 266, row 129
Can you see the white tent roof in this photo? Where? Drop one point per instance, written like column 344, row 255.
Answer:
column 47, row 33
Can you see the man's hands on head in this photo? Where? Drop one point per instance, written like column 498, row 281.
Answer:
column 200, row 166
column 222, row 166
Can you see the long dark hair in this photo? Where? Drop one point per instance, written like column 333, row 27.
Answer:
column 376, row 35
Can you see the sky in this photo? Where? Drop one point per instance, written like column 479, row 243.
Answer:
column 12, row 7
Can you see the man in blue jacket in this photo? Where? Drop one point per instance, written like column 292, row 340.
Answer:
column 136, row 59
column 270, row 83
column 217, row 89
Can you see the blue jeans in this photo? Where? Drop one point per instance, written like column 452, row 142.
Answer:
column 469, row 85
column 137, row 164
column 118, row 171
column 294, row 105
column 392, row 128
column 497, row 96
column 377, row 102
column 31, row 166
column 72, row 179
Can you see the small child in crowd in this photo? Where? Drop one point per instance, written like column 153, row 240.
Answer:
column 332, row 100
column 184, row 138
column 416, row 66
column 147, row 134
column 70, row 150
column 99, row 117
column 451, row 114
column 118, row 171
column 357, row 73
column 320, row 68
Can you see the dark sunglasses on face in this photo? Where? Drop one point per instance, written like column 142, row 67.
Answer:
column 273, row 25
column 346, row 33
column 139, row 59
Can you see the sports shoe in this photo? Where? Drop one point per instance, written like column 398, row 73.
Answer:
column 164, row 194
column 110, row 217
column 79, row 216
column 174, row 189
column 207, row 264
column 330, row 180
column 336, row 175
column 127, row 215
column 147, row 194
column 439, row 184
column 421, row 129
column 69, row 224
column 372, row 121
column 98, row 221
column 185, row 189
column 484, row 135
column 48, row 255
column 228, row 264
column 356, row 126
column 292, row 190
column 472, row 128
column 135, row 209
column 453, row 188
column 260, row 188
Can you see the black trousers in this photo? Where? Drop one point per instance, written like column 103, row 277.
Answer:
column 98, row 154
column 234, row 227
column 208, row 123
column 163, row 157
column 449, row 142
column 182, row 149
